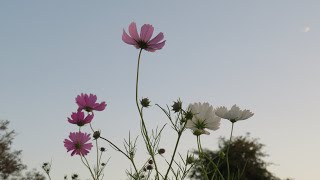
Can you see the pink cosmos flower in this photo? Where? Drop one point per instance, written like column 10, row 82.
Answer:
column 88, row 103
column 78, row 143
column 79, row 119
column 143, row 41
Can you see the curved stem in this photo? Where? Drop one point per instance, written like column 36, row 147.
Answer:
column 118, row 149
column 144, row 132
column 228, row 165
column 87, row 165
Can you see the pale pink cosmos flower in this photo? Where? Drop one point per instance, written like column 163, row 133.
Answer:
column 78, row 143
column 79, row 119
column 88, row 103
column 143, row 41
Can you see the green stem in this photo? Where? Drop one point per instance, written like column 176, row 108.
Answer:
column 201, row 156
column 174, row 152
column 118, row 149
column 97, row 173
column 147, row 141
column 228, row 165
column 175, row 149
column 87, row 164
column 48, row 175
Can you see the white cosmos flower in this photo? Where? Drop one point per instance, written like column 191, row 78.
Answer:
column 234, row 114
column 204, row 117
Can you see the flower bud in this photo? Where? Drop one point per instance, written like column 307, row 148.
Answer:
column 188, row 115
column 150, row 161
column 145, row 102
column 74, row 176
column 149, row 167
column 190, row 159
column 103, row 164
column 96, row 134
column 161, row 151
column 102, row 149
column 131, row 153
column 177, row 106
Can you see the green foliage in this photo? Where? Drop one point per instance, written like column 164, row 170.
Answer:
column 10, row 161
column 245, row 159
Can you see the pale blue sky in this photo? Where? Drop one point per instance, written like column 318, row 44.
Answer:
column 261, row 55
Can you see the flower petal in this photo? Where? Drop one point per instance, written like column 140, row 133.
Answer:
column 156, row 39
column 155, row 47
column 99, row 106
column 127, row 39
column 133, row 31
column 146, row 32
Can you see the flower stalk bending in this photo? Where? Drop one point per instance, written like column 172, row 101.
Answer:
column 143, row 125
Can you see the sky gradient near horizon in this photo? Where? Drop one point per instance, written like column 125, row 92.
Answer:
column 260, row 55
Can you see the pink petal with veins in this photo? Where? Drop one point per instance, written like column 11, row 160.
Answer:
column 156, row 39
column 133, row 31
column 127, row 39
column 146, row 32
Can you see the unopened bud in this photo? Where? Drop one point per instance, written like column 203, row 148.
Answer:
column 96, row 134
column 188, row 115
column 161, row 151
column 74, row 176
column 177, row 106
column 149, row 167
column 190, row 160
column 145, row 102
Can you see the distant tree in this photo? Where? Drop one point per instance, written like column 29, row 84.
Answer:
column 11, row 164
column 245, row 159
column 30, row 175
column 10, row 161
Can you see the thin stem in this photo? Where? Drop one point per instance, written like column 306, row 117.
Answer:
column 175, row 150
column 48, row 175
column 91, row 127
column 201, row 156
column 228, row 165
column 216, row 169
column 97, row 173
column 87, row 164
column 144, row 129
column 118, row 149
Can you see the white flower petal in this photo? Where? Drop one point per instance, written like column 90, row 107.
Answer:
column 204, row 117
column 234, row 114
